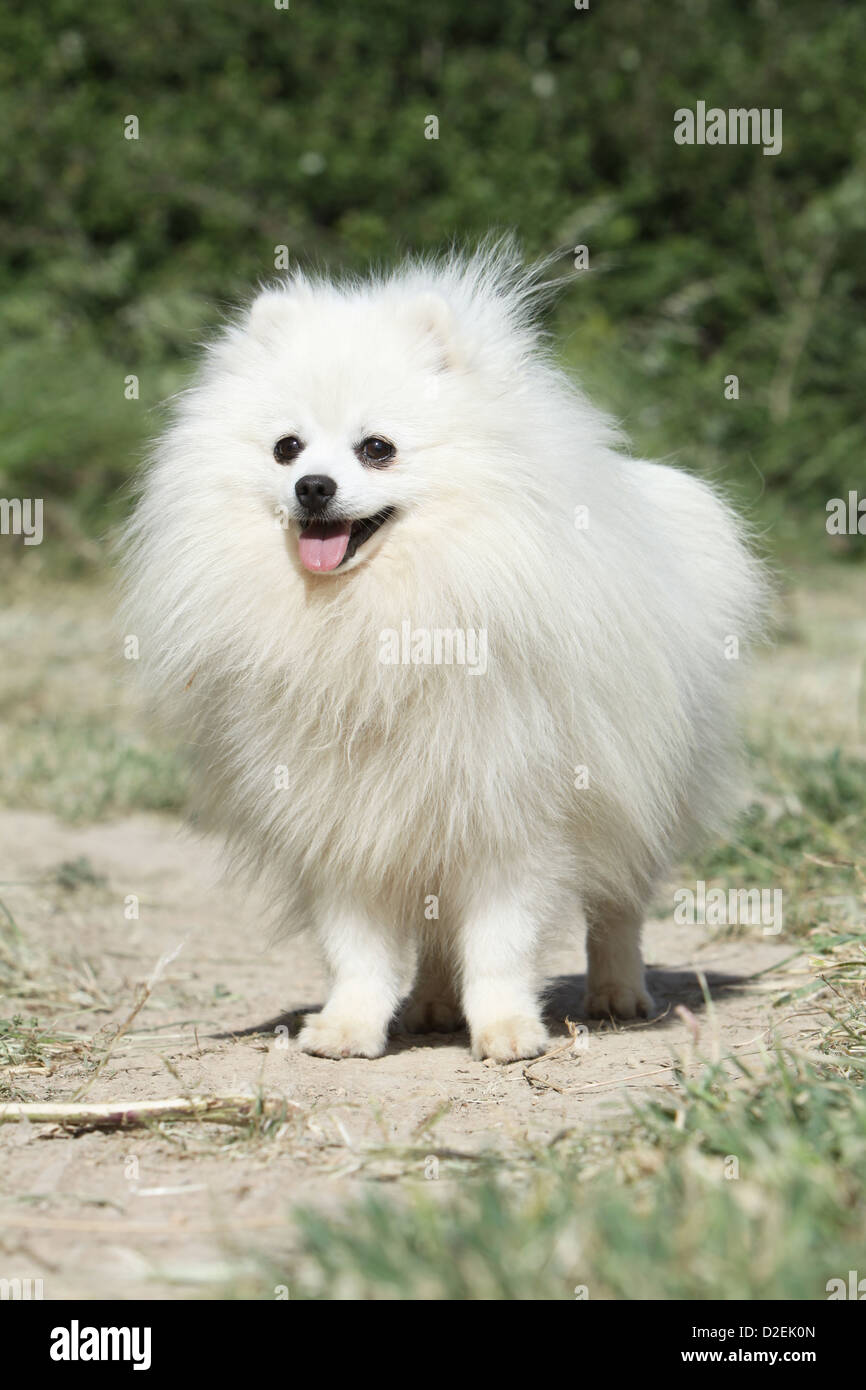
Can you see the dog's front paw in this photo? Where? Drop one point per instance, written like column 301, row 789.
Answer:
column 508, row 1039
column 432, row 1015
column 618, row 1000
column 341, row 1037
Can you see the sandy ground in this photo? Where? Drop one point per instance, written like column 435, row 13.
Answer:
column 176, row 1212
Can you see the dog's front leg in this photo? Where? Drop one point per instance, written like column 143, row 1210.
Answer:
column 368, row 967
column 500, row 1000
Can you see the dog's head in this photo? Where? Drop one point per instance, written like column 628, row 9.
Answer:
column 354, row 411
column 337, row 401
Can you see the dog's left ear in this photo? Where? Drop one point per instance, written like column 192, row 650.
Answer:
column 270, row 314
column 432, row 317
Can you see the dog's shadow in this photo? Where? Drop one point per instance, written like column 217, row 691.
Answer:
column 563, row 998
column 669, row 988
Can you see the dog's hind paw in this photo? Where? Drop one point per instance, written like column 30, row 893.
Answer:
column 431, row 1016
column 618, row 1001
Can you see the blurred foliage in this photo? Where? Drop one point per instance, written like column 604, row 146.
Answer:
column 305, row 127
column 650, row 1214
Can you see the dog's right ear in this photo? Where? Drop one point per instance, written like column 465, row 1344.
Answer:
column 431, row 317
column 269, row 314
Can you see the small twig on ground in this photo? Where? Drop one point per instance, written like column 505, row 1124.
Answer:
column 575, row 1031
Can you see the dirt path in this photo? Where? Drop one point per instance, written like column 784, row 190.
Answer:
column 156, row 1214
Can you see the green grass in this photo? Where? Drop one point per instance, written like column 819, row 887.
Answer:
column 747, row 1184
column 804, row 833
column 27, row 1048
column 85, row 770
column 73, row 737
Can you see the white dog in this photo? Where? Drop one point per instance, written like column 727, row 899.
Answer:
column 456, row 672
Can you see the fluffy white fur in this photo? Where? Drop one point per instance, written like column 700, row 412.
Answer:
column 358, row 789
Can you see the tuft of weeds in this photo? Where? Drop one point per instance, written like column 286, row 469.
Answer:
column 26, row 1049
column 85, row 770
column 21, row 1042
column 805, row 833
column 743, row 1186
column 77, row 873
column 71, row 739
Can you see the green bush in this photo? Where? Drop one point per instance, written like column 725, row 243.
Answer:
column 305, row 127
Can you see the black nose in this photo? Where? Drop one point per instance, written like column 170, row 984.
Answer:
column 315, row 491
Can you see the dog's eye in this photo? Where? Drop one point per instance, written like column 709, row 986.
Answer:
column 286, row 450
column 375, row 450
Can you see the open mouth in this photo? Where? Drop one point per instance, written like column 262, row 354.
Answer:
column 325, row 545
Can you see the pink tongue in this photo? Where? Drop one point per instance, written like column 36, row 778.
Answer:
column 322, row 545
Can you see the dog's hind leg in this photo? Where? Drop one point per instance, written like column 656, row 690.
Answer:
column 615, row 983
column 433, row 1006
